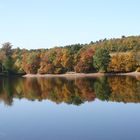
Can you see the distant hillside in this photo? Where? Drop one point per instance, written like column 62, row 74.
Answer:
column 112, row 55
column 119, row 44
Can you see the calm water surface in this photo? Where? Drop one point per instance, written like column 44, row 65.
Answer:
column 105, row 108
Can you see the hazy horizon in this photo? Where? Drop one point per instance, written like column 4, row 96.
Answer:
column 49, row 23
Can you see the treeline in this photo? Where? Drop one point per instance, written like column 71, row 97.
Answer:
column 114, row 55
column 61, row 90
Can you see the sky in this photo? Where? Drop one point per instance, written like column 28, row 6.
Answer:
column 33, row 24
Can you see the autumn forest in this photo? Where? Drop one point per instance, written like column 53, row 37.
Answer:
column 107, row 55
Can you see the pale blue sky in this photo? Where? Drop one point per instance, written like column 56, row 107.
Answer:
column 48, row 23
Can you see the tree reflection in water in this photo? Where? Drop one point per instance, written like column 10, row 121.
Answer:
column 71, row 91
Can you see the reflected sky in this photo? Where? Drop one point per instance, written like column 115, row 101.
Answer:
column 47, row 120
column 103, row 117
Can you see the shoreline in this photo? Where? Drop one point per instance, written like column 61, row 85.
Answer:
column 75, row 75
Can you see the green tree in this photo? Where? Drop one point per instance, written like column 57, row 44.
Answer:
column 6, row 57
column 8, row 64
column 7, row 49
column 101, row 59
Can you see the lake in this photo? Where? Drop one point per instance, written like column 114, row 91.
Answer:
column 105, row 108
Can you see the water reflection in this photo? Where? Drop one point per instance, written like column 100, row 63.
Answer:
column 71, row 91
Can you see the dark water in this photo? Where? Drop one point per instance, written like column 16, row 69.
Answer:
column 106, row 108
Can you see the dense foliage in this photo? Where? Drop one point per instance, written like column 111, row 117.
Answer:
column 113, row 55
column 101, row 59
